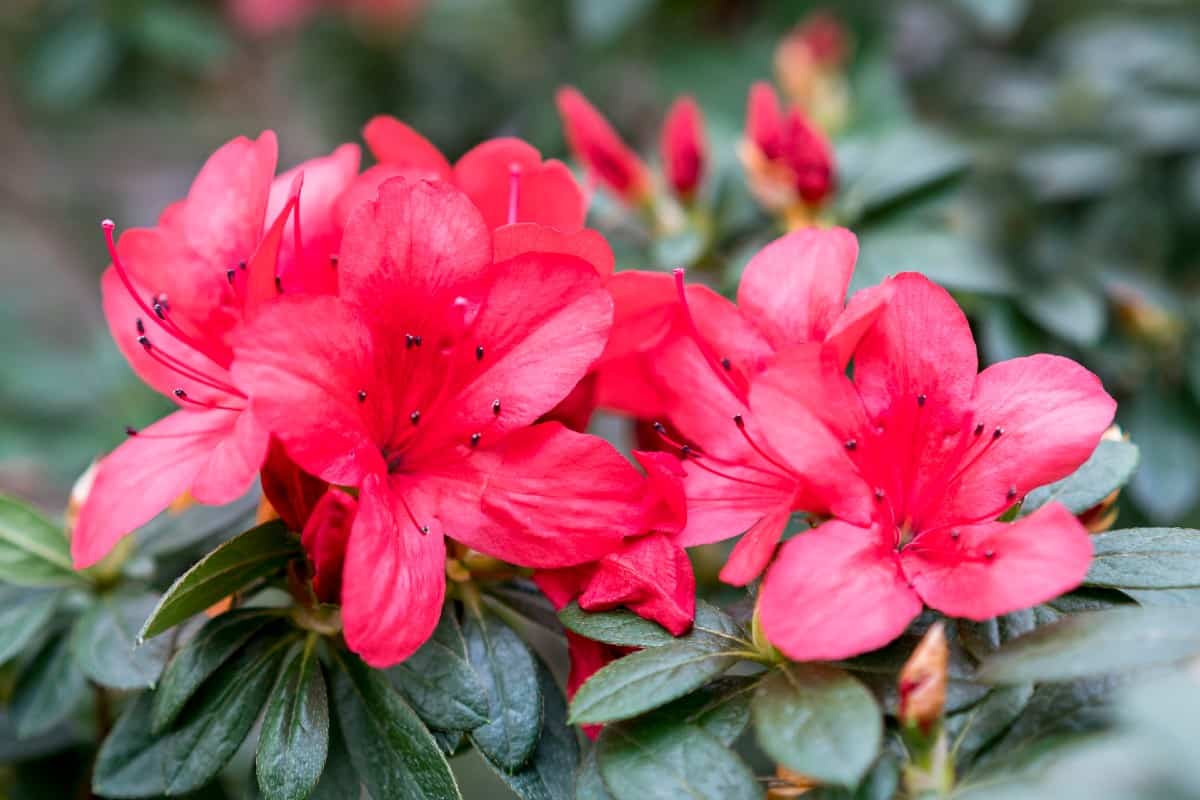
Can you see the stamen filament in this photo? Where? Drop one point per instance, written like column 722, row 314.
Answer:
column 514, row 191
column 716, row 366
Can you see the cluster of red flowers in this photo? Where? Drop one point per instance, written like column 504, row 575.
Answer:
column 395, row 351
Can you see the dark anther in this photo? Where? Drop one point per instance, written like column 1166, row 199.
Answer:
column 408, row 340
column 879, row 495
column 659, row 428
column 726, row 364
column 130, row 430
column 989, row 553
column 414, row 417
column 180, row 393
column 979, row 429
column 141, row 329
column 424, row 530
column 479, row 353
column 737, row 420
column 241, row 265
column 851, row 444
column 920, row 399
column 954, row 534
column 229, row 273
column 1012, row 492
column 475, row 437
column 160, row 311
column 144, row 342
column 997, row 433
column 362, row 395
column 417, row 341
column 685, row 451
column 279, row 284
column 333, row 261
column 496, row 407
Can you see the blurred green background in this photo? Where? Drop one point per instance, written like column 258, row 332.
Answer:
column 1042, row 159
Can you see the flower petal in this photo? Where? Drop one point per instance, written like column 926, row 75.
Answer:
column 546, row 192
column 394, row 579
column 649, row 575
column 834, row 592
column 795, row 287
column 753, row 551
column 393, row 142
column 531, row 237
column 324, row 537
column 1032, row 560
column 722, row 506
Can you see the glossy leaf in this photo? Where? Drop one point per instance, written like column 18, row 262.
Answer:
column 508, row 672
column 1096, row 643
column 33, row 551
column 1146, row 558
column 882, row 169
column 589, row 784
column 818, row 720
column 294, row 742
column 653, row 677
column 105, row 643
column 550, row 773
column 23, row 614
column 439, row 682
column 1109, row 468
column 132, row 760
column 393, row 753
column 619, row 626
column 48, row 689
column 215, row 644
column 255, row 554
column 339, row 780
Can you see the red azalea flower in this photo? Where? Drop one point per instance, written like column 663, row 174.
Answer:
column 936, row 454
column 419, row 385
column 787, row 159
column 174, row 296
column 684, row 151
column 324, row 536
column 505, row 178
column 608, row 160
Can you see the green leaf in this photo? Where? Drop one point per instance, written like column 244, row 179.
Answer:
column 527, row 600
column 105, row 644
column 1096, row 643
column 23, row 614
column 619, row 626
column 653, row 677
column 721, row 708
column 215, row 723
column 390, row 748
column 589, row 785
column 878, row 170
column 294, row 742
column 550, row 773
column 661, row 758
column 49, row 688
column 818, row 720
column 973, row 729
column 215, row 644
column 33, row 551
column 1068, row 309
column 339, row 780
column 1109, row 468
column 1146, row 558
column 255, row 554
column 508, row 672
column 132, row 760
column 1165, row 484
column 953, row 260
column 439, row 682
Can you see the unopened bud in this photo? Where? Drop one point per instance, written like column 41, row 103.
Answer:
column 79, row 495
column 923, row 681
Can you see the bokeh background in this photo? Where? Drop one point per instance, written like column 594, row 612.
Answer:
column 1041, row 159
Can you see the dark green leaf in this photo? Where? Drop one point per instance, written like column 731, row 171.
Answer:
column 339, row 780
column 661, row 759
column 450, row 742
column 71, row 63
column 33, row 551
column 882, row 169
column 255, row 554
column 508, row 673
column 954, row 260
column 1165, row 484
column 819, row 721
column 550, row 773
column 132, row 760
column 653, row 677
column 215, row 723
column 589, row 785
column 23, row 614
column 295, row 731
column 390, row 748
column 1096, row 643
column 49, row 688
column 619, row 626
column 721, row 708
column 105, row 644
column 527, row 600
column 973, row 729
column 1109, row 468
column 1146, row 558
column 440, row 684
column 1068, row 309
column 216, row 642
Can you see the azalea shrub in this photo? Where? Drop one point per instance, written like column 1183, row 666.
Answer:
column 630, row 475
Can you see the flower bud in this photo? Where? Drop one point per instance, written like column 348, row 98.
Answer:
column 324, row 538
column 789, row 783
column 923, row 681
column 684, row 150
column 809, row 64
column 607, row 159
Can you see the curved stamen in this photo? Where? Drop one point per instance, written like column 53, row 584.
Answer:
column 716, row 365
column 183, row 397
column 688, row 451
column 741, row 426
column 131, row 432
column 693, row 458
column 514, row 191
column 184, row 369
column 421, row 529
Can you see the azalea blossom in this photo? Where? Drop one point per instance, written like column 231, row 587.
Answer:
column 933, row 453
column 788, row 161
column 607, row 159
column 419, row 385
column 174, row 298
column 684, row 149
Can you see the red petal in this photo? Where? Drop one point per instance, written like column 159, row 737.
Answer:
column 546, row 192
column 834, row 592
column 141, row 477
column 595, row 143
column 291, row 491
column 563, row 585
column 1032, row 560
column 324, row 538
column 393, row 142
column 652, row 577
column 795, row 287
column 530, row 237
column 304, row 361
column 721, row 507
column 665, row 502
column 754, row 550
column 394, row 579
